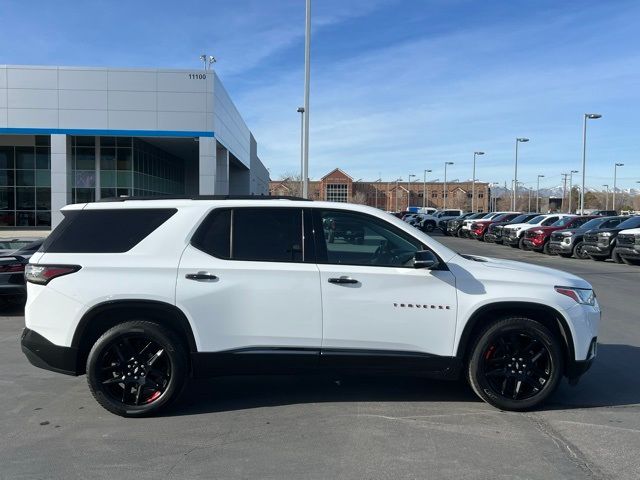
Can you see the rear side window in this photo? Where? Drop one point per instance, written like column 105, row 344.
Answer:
column 105, row 231
column 255, row 234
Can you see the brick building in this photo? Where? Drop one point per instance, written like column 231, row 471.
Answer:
column 338, row 186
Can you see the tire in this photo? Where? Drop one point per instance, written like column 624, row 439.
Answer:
column 129, row 351
column 545, row 249
column 578, row 251
column 598, row 258
column 428, row 227
column 513, row 245
column 501, row 386
column 630, row 261
column 616, row 258
column 521, row 244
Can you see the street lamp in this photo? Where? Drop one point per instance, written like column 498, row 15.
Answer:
column 538, row 194
column 424, row 189
column 615, row 177
column 444, row 197
column 301, row 112
column 571, row 187
column 473, row 183
column 307, row 82
column 606, row 197
column 376, row 189
column 409, row 190
column 515, row 177
column 587, row 116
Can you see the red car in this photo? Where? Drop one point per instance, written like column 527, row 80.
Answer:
column 537, row 239
column 479, row 228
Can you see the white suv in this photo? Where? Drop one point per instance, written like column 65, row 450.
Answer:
column 513, row 235
column 141, row 294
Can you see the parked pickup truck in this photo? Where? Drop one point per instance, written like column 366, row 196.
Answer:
column 628, row 246
column 512, row 235
column 453, row 226
column 569, row 242
column 479, row 228
column 537, row 239
column 494, row 232
column 599, row 244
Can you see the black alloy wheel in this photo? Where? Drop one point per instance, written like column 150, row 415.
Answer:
column 578, row 251
column 515, row 364
column 136, row 368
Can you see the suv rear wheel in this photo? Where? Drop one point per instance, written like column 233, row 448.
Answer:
column 515, row 364
column 136, row 368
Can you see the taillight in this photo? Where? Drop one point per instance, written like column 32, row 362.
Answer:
column 43, row 274
column 12, row 268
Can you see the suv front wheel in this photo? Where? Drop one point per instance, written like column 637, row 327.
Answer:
column 515, row 364
column 136, row 368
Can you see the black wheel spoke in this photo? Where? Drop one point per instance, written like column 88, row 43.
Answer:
column 516, row 365
column 135, row 370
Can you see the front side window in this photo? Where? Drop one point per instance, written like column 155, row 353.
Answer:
column 255, row 234
column 549, row 221
column 356, row 239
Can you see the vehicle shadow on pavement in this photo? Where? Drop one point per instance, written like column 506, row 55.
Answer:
column 11, row 308
column 612, row 381
column 239, row 393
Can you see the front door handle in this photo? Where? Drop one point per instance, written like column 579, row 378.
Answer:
column 201, row 277
column 343, row 280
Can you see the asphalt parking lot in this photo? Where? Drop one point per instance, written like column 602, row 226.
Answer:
column 353, row 427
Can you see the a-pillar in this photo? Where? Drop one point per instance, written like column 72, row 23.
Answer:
column 61, row 176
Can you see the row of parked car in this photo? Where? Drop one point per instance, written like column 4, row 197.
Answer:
column 14, row 256
column 599, row 236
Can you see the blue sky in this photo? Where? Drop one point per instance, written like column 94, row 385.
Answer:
column 398, row 86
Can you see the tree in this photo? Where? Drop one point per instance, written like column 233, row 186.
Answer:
column 359, row 198
column 293, row 183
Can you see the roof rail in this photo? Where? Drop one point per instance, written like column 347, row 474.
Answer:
column 205, row 197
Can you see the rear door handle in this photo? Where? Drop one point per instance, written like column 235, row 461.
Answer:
column 201, row 277
column 343, row 280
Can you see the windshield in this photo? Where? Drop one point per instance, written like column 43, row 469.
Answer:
column 562, row 222
column 520, row 219
column 633, row 222
column 537, row 219
column 594, row 223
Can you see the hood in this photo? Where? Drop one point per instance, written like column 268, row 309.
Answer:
column 534, row 273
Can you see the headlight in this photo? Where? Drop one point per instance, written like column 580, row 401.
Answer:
column 605, row 234
column 566, row 240
column 567, row 234
column 518, row 228
column 539, row 232
column 584, row 296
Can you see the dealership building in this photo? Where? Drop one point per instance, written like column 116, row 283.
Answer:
column 78, row 134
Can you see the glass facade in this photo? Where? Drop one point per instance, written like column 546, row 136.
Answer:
column 127, row 166
column 25, row 184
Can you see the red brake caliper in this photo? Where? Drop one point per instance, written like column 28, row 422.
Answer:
column 487, row 356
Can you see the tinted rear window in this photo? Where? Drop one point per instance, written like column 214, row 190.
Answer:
column 105, row 231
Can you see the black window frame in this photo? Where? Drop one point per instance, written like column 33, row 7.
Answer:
column 307, row 240
column 321, row 248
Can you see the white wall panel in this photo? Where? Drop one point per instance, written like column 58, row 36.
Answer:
column 120, row 100
column 123, row 120
column 186, row 81
column 93, row 119
column 83, row 99
column 181, row 121
column 45, row 78
column 71, row 79
column 32, row 98
column 3, row 77
column 131, row 80
column 32, row 117
column 182, row 101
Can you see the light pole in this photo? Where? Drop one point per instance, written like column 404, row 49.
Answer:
column 409, row 189
column 376, row 188
column 473, row 182
column 424, row 189
column 615, row 178
column 301, row 112
column 587, row 116
column 606, row 197
column 444, row 188
column 307, row 82
column 571, row 187
column 515, row 177
column 538, row 194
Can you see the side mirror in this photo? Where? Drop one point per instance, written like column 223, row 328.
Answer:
column 425, row 259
